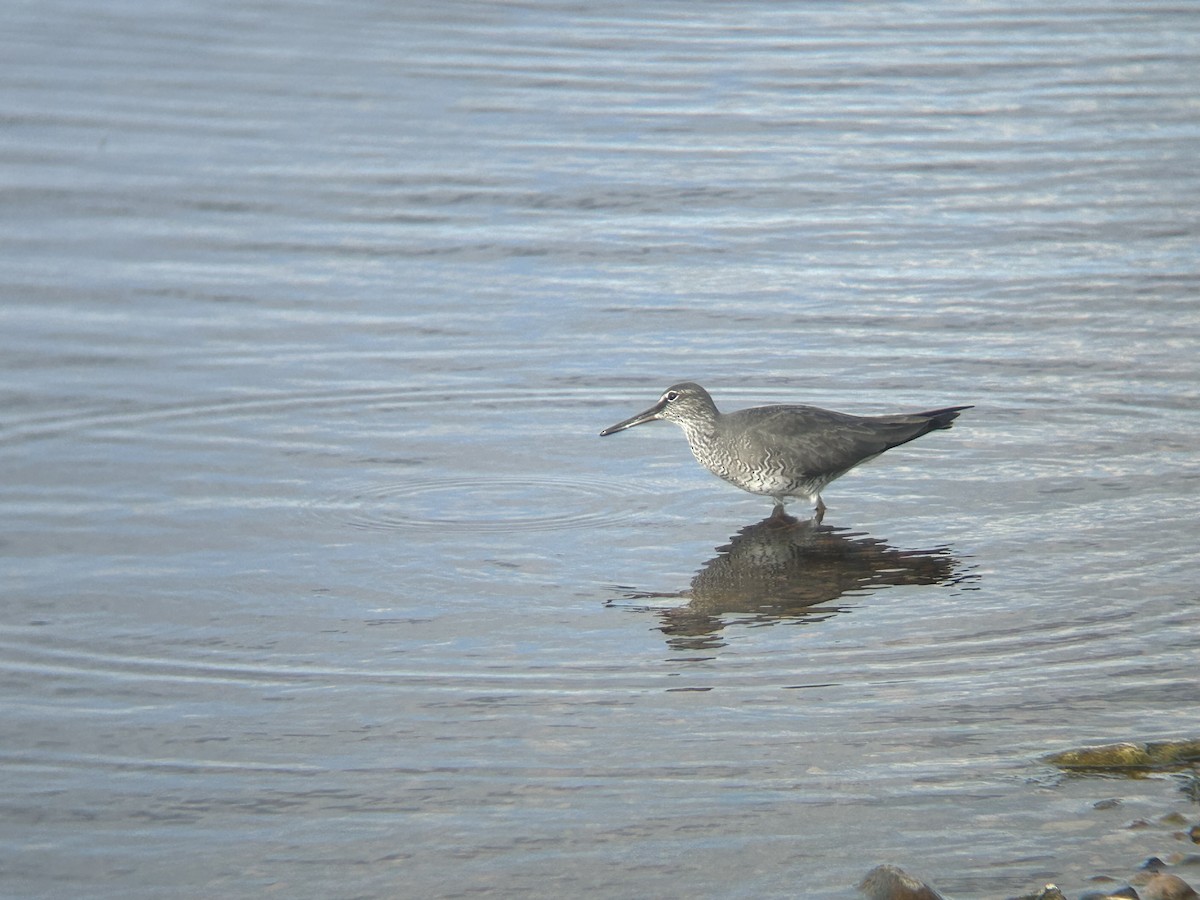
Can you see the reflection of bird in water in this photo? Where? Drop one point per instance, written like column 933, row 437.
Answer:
column 781, row 567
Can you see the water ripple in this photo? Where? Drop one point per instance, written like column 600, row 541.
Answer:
column 488, row 503
column 38, row 424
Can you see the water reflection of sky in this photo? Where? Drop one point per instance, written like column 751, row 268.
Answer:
column 309, row 319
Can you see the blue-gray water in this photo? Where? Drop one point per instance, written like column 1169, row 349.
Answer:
column 318, row 580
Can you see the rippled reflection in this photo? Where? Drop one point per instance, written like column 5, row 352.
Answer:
column 783, row 567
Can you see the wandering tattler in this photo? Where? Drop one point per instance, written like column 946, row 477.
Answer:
column 783, row 451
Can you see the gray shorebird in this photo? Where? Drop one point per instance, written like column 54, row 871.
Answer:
column 783, row 451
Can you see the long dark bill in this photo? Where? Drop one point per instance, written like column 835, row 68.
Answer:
column 648, row 416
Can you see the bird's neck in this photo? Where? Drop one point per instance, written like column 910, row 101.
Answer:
column 701, row 434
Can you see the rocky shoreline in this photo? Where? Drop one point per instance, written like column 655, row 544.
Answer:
column 1151, row 881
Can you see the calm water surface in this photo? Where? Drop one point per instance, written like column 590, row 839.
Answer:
column 318, row 580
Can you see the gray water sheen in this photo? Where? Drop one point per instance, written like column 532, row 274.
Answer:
column 318, row 580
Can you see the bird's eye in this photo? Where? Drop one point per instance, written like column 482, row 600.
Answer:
column 672, row 396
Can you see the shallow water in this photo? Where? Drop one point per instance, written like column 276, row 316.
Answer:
column 319, row 579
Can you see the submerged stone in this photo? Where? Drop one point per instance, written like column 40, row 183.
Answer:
column 1128, row 757
column 1165, row 886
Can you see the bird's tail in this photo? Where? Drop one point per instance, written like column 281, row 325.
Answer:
column 943, row 418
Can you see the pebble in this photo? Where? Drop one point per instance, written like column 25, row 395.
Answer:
column 893, row 883
column 1165, row 886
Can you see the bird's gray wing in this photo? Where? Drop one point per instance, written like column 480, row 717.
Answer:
column 821, row 441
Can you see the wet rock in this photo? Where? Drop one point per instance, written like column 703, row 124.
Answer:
column 1128, row 758
column 893, row 883
column 1125, row 892
column 1049, row 892
column 1165, row 886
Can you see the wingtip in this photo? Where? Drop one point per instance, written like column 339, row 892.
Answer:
column 944, row 418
